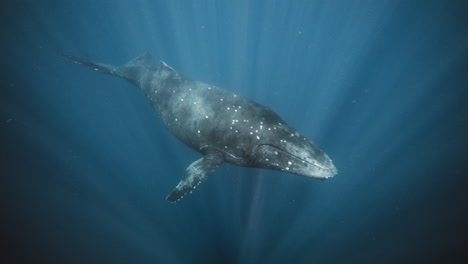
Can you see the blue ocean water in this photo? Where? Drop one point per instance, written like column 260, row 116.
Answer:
column 381, row 86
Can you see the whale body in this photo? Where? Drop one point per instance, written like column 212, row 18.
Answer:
column 219, row 124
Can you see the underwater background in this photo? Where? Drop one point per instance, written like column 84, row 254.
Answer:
column 380, row 86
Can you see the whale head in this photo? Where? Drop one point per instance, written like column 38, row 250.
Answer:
column 287, row 150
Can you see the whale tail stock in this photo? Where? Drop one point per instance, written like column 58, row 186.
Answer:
column 119, row 71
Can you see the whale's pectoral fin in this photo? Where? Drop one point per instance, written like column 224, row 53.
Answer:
column 195, row 173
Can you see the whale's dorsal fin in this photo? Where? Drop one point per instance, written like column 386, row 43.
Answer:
column 197, row 172
column 164, row 65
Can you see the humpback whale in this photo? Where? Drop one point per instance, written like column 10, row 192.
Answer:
column 219, row 124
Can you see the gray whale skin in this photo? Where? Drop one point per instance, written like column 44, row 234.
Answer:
column 221, row 125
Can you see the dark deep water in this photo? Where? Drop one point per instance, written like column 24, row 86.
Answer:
column 381, row 86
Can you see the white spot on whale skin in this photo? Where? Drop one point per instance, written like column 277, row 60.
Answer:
column 96, row 69
column 182, row 99
column 287, row 168
column 175, row 119
column 251, row 133
column 228, row 108
column 206, row 116
column 198, row 131
column 194, row 102
column 221, row 99
column 235, row 110
column 290, row 163
column 258, row 137
column 276, row 152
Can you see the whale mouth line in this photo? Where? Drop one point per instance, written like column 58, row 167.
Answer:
column 297, row 157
